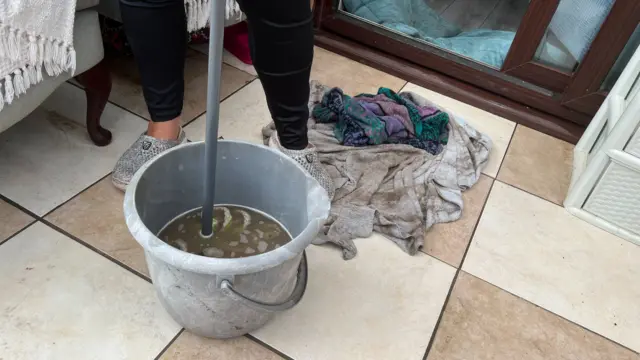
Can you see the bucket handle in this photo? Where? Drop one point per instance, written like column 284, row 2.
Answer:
column 301, row 285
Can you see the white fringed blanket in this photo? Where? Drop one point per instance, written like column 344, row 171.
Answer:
column 37, row 36
column 34, row 34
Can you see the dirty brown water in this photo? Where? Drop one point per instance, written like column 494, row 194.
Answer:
column 238, row 231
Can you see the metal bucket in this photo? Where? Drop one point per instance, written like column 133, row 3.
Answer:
column 224, row 298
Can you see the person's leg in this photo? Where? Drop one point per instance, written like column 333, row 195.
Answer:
column 156, row 31
column 281, row 39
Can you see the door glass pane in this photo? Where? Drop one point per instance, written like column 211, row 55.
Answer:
column 623, row 60
column 571, row 32
column 480, row 30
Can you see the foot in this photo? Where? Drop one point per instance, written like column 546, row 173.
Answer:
column 308, row 158
column 143, row 150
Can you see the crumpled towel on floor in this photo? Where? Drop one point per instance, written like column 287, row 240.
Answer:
column 397, row 190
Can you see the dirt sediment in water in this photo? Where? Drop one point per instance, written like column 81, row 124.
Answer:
column 237, row 232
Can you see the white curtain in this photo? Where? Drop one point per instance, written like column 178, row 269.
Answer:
column 577, row 22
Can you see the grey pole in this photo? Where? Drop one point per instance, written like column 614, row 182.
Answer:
column 216, row 31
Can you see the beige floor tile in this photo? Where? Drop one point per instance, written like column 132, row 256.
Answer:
column 191, row 347
column 539, row 164
column 63, row 301
column 11, row 220
column 538, row 251
column 352, row 77
column 449, row 241
column 381, row 305
column 95, row 216
column 49, row 157
column 228, row 59
column 242, row 116
column 497, row 128
column 483, row 322
column 127, row 91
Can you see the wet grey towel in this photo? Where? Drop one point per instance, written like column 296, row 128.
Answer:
column 397, row 190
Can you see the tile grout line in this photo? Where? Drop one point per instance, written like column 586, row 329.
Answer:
column 20, row 207
column 75, row 196
column 494, row 179
column 236, row 90
column 506, row 151
column 114, row 104
column 169, row 344
column 128, row 111
column 223, row 99
column 554, row 314
column 455, row 279
column 67, row 234
column 437, row 325
column 225, row 63
column 96, row 250
column 447, row 8
column 193, row 120
column 508, row 184
column 18, row 232
column 495, row 6
column 515, row 295
column 530, row 193
column 186, row 123
column 475, row 228
column 267, row 346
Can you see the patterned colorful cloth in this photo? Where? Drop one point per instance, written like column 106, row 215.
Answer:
column 384, row 118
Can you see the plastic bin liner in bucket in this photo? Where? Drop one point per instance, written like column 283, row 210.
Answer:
column 216, row 297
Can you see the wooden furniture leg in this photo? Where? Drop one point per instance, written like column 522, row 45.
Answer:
column 97, row 84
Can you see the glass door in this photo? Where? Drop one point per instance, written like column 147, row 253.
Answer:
column 478, row 30
column 549, row 55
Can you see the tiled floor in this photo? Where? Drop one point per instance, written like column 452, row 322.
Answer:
column 516, row 278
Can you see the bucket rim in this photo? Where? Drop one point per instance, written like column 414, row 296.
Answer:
column 217, row 266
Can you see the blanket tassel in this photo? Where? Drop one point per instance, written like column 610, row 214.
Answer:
column 8, row 89
column 1, row 99
column 198, row 13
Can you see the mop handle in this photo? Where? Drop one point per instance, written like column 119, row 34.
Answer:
column 216, row 32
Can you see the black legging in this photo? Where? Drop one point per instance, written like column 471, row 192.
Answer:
column 281, row 40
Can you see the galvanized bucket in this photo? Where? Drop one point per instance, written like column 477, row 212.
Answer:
column 224, row 298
